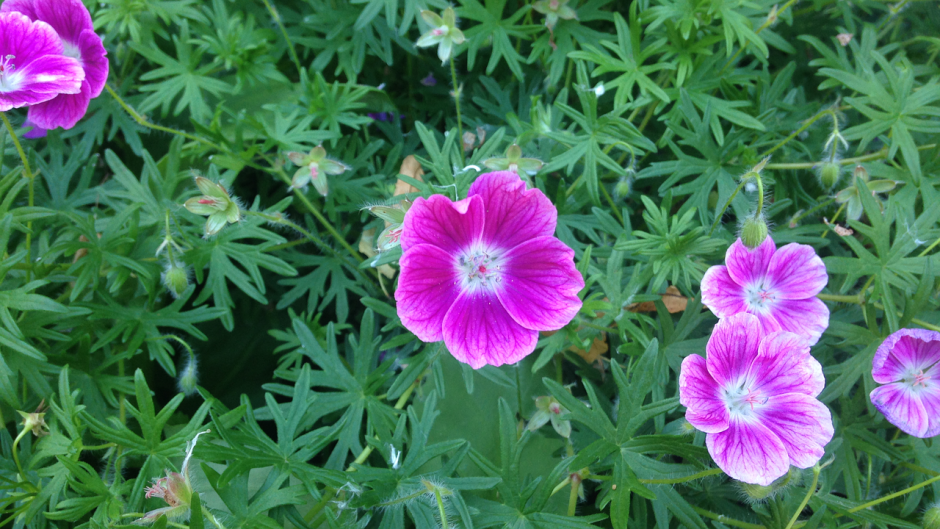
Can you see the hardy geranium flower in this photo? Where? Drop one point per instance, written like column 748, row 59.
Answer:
column 216, row 204
column 908, row 364
column 778, row 285
column 314, row 166
column 32, row 66
column 71, row 20
column 755, row 396
column 485, row 274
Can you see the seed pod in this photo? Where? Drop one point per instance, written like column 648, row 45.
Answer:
column 932, row 517
column 189, row 377
column 754, row 231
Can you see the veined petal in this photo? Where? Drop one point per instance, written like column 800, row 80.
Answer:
column 733, row 345
column 747, row 266
column 69, row 18
column 24, row 7
column 796, row 272
column 699, row 393
column 808, row 318
column 450, row 17
column 803, row 425
column 749, row 452
column 451, row 226
column 210, row 188
column 64, row 110
column 25, row 39
column 444, row 49
column 51, row 74
column 94, row 61
column 194, row 206
column 721, row 294
column 539, row 284
column 215, row 223
column 427, row 287
column 514, row 214
column 904, row 352
column 930, row 398
column 902, row 407
column 432, row 18
column 478, row 331
column 22, row 98
column 428, row 39
column 784, row 365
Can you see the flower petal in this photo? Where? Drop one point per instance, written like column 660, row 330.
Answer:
column 426, row 290
column 25, row 39
column 52, row 74
column 539, row 284
column 451, row 226
column 808, row 318
column 721, row 294
column 901, row 406
column 514, row 214
column 784, row 365
column 24, row 7
column 748, row 266
column 699, row 393
column 749, row 452
column 803, row 425
column 733, row 345
column 905, row 351
column 930, row 398
column 194, row 206
column 64, row 110
column 478, row 331
column 69, row 18
column 796, row 272
column 94, row 61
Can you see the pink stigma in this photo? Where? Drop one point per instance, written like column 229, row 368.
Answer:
column 766, row 296
column 206, row 201
column 920, row 379
column 754, row 397
column 482, row 269
column 438, row 32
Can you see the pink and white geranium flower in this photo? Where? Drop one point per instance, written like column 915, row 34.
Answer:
column 754, row 394
column 72, row 22
column 908, row 364
column 778, row 285
column 32, row 66
column 485, row 274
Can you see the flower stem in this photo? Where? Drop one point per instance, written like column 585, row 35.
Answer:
column 573, row 495
column 143, row 122
column 440, row 508
column 457, row 94
column 725, row 520
column 16, row 459
column 31, row 178
column 809, row 494
column 290, row 45
column 812, row 210
column 760, row 196
column 845, row 161
column 892, row 495
column 805, row 126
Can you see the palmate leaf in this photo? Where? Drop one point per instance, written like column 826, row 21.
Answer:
column 238, row 263
column 492, row 28
column 182, row 76
column 342, row 282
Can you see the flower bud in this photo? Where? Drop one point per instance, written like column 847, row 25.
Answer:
column 932, row 517
column 756, row 493
column 829, row 173
column 176, row 278
column 622, row 189
column 754, row 231
column 860, row 172
column 189, row 377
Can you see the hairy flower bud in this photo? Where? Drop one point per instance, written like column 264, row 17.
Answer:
column 829, row 173
column 753, row 231
column 189, row 376
column 176, row 278
column 756, row 493
column 622, row 189
column 932, row 517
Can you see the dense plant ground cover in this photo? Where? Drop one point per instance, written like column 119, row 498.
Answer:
column 221, row 301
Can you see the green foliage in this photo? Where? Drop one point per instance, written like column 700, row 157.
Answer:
column 636, row 118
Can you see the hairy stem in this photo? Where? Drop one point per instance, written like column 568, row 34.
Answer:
column 809, row 494
column 31, row 178
column 457, row 94
column 290, row 45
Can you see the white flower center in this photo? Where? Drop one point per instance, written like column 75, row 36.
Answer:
column 9, row 78
column 480, row 268
column 918, row 381
column 741, row 401
column 759, row 297
column 71, row 50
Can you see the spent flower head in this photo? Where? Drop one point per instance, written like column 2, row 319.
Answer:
column 513, row 161
column 444, row 33
column 549, row 409
column 313, row 168
column 554, row 10
column 175, row 489
column 216, row 204
column 35, row 421
column 754, row 395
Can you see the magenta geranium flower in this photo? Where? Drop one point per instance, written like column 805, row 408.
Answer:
column 72, row 22
column 755, row 396
column 485, row 274
column 778, row 285
column 908, row 364
column 32, row 67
